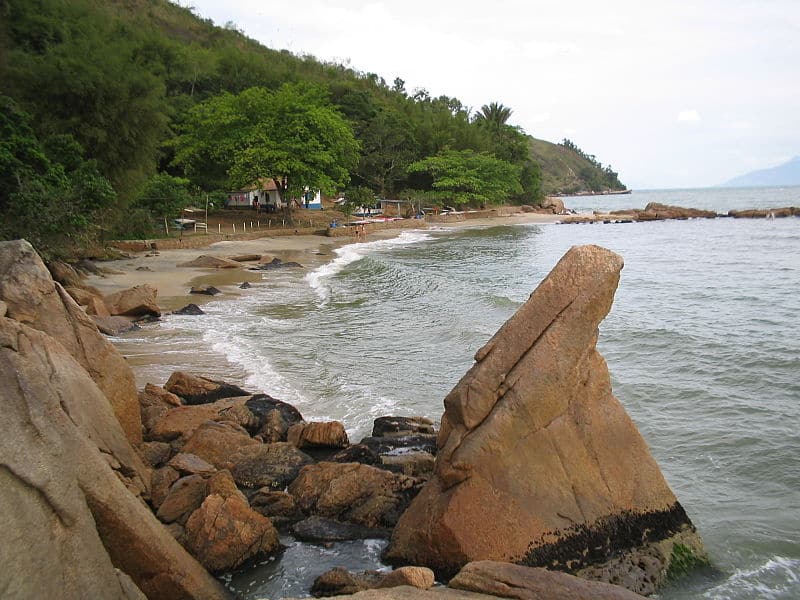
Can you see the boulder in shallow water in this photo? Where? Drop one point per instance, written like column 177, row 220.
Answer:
column 205, row 290
column 401, row 426
column 206, row 261
column 138, row 301
column 526, row 583
column 189, row 309
column 538, row 463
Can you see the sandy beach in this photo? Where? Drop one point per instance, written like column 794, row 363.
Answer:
column 162, row 269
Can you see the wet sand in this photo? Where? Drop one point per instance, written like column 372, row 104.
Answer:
column 173, row 282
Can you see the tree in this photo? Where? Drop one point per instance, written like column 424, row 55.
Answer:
column 164, row 195
column 493, row 114
column 387, row 150
column 292, row 136
column 57, row 207
column 468, row 177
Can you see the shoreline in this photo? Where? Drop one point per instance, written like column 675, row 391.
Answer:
column 161, row 268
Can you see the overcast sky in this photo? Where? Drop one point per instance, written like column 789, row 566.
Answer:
column 670, row 93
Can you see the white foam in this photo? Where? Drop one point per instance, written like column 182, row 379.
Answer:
column 773, row 579
column 351, row 253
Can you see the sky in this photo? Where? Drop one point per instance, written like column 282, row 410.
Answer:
column 671, row 94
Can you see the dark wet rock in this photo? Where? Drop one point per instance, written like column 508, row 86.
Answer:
column 206, row 261
column 267, row 465
column 245, row 257
column 401, row 426
column 321, row 529
column 391, row 445
column 189, row 309
column 208, row 290
column 358, row 453
column 276, row 263
column 196, row 389
column 245, row 285
column 274, row 417
column 413, row 463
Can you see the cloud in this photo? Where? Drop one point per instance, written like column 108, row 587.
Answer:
column 688, row 116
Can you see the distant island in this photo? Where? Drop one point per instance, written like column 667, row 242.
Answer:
column 786, row 174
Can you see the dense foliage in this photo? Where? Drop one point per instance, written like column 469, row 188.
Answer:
column 145, row 87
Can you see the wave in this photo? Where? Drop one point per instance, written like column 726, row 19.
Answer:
column 777, row 578
column 351, row 253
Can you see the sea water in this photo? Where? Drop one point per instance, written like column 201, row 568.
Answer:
column 702, row 345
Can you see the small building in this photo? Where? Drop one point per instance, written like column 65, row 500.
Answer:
column 312, row 199
column 266, row 193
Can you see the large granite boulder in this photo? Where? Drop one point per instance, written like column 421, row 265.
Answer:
column 180, row 423
column 538, row 463
column 526, row 583
column 353, row 492
column 138, row 301
column 225, row 532
column 327, row 434
column 216, row 442
column 196, row 389
column 267, row 465
column 33, row 298
column 70, row 525
column 275, row 417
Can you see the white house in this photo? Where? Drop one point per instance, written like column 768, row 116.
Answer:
column 266, row 192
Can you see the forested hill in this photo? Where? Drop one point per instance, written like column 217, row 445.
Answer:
column 97, row 97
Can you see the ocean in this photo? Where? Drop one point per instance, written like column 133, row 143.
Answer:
column 702, row 344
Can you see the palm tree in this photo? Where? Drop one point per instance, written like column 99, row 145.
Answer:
column 494, row 114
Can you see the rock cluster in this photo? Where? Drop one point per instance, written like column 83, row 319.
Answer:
column 262, row 446
column 538, row 463
column 72, row 484
column 142, row 494
column 654, row 211
column 766, row 213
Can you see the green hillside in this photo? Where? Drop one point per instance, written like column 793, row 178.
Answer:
column 104, row 101
column 567, row 170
